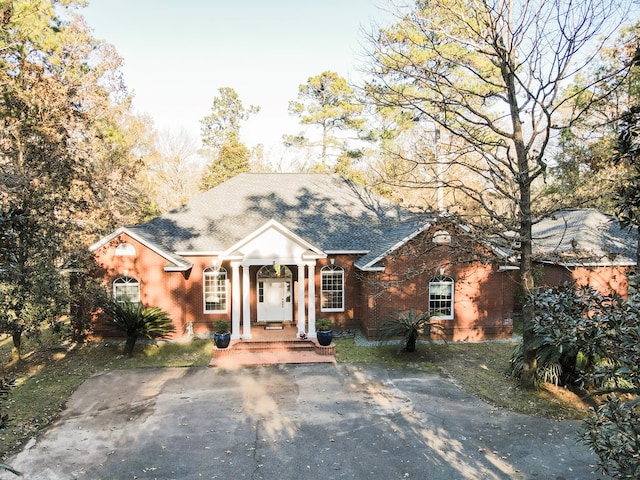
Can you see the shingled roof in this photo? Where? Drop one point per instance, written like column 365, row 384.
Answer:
column 584, row 236
column 326, row 210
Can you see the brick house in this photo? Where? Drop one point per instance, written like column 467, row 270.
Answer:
column 263, row 249
column 585, row 247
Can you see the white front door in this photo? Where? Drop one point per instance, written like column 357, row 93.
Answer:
column 274, row 300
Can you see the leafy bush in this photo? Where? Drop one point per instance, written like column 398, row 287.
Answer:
column 324, row 325
column 595, row 339
column 409, row 325
column 137, row 321
column 5, row 386
column 221, row 327
column 614, row 435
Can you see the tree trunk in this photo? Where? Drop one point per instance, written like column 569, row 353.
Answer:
column 524, row 178
column 131, row 342
column 16, row 353
column 411, row 343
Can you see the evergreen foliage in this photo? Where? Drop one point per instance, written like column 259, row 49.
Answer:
column 593, row 342
column 137, row 321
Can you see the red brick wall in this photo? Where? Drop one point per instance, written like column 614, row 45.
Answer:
column 352, row 316
column 157, row 287
column 606, row 280
column 483, row 295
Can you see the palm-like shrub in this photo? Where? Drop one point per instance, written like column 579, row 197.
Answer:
column 409, row 325
column 137, row 321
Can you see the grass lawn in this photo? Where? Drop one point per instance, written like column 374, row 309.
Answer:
column 48, row 374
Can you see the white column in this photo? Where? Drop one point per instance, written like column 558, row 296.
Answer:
column 246, row 302
column 312, row 300
column 301, row 302
column 235, row 300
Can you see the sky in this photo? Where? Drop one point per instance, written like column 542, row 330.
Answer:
column 178, row 53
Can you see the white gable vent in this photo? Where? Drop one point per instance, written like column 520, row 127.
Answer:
column 442, row 237
column 125, row 250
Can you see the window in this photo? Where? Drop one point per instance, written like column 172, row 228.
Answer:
column 441, row 297
column 125, row 250
column 126, row 289
column 215, row 290
column 332, row 289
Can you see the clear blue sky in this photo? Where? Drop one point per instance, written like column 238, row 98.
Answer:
column 177, row 53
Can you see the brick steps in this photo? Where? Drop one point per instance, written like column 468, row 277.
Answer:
column 271, row 352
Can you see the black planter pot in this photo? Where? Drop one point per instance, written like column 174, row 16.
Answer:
column 222, row 339
column 325, row 337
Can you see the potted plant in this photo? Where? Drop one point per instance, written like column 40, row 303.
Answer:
column 324, row 331
column 221, row 333
column 408, row 324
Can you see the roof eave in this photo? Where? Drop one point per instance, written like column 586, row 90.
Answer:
column 177, row 268
column 628, row 263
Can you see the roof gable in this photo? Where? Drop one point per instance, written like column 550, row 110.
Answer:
column 276, row 242
column 176, row 262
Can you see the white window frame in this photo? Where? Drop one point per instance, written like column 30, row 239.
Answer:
column 126, row 283
column 339, row 292
column 221, row 288
column 439, row 282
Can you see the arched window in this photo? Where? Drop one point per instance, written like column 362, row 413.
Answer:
column 274, row 271
column 125, row 250
column 126, row 289
column 214, row 283
column 332, row 289
column 441, row 297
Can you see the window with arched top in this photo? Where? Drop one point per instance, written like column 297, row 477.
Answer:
column 126, row 289
column 332, row 289
column 441, row 297
column 125, row 249
column 275, row 271
column 215, row 292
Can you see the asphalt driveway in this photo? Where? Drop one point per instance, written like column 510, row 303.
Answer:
column 295, row 422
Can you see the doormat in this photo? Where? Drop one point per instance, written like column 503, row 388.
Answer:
column 274, row 327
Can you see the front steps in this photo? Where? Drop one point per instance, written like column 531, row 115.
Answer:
column 271, row 352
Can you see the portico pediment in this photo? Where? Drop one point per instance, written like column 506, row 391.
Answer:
column 274, row 242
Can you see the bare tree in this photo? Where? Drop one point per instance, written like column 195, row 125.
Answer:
column 493, row 75
column 173, row 172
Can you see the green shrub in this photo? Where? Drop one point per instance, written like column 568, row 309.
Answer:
column 137, row 321
column 221, row 327
column 594, row 339
column 409, row 325
column 324, row 325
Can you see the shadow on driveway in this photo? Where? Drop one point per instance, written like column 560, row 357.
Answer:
column 295, row 421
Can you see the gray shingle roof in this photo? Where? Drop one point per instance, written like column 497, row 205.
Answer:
column 335, row 215
column 584, row 236
column 324, row 209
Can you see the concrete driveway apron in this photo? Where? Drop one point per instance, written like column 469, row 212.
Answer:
column 293, row 422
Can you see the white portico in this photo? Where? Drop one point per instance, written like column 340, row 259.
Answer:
column 274, row 268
